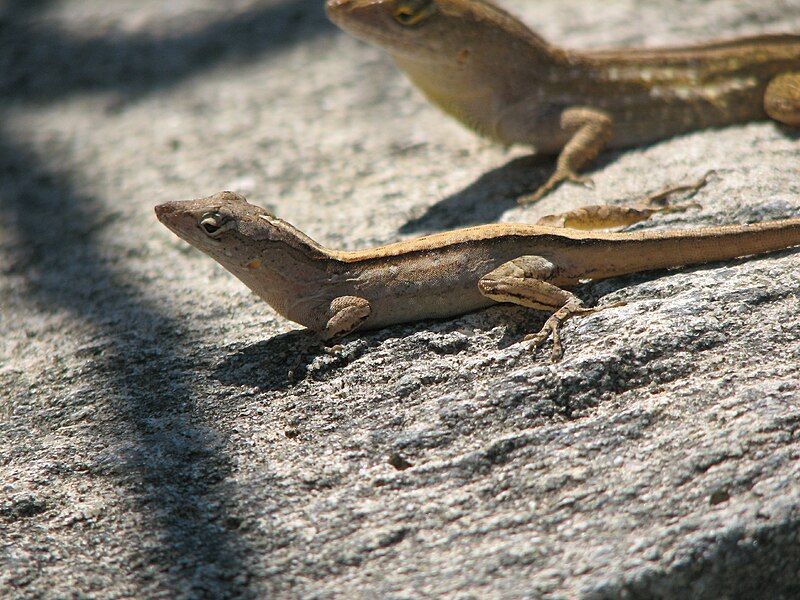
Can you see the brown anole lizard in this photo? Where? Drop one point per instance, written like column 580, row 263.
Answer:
column 336, row 292
column 488, row 70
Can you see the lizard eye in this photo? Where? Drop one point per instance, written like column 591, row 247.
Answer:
column 214, row 223
column 412, row 12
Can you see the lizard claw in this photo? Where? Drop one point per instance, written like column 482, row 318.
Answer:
column 550, row 327
column 553, row 325
column 535, row 196
column 583, row 180
column 537, row 339
column 559, row 177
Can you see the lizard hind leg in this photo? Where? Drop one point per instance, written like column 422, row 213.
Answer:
column 522, row 281
column 591, row 130
column 603, row 216
column 782, row 99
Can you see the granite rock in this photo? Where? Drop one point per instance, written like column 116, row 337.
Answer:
column 163, row 434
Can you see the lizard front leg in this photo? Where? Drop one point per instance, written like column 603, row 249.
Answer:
column 782, row 99
column 523, row 281
column 346, row 314
column 590, row 130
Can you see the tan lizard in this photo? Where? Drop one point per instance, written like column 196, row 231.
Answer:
column 335, row 292
column 488, row 70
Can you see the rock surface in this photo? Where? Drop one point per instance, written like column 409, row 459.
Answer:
column 163, row 434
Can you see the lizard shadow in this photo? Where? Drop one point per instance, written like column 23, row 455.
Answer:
column 276, row 363
column 289, row 359
column 791, row 133
column 496, row 191
column 486, row 198
column 492, row 194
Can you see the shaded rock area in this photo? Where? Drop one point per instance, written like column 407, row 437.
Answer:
column 163, row 434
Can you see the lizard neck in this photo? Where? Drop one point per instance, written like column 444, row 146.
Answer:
column 280, row 264
column 456, row 91
column 287, row 278
column 475, row 85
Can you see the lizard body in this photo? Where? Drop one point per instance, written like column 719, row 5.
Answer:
column 487, row 69
column 335, row 292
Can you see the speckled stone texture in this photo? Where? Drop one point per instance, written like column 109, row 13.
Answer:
column 163, row 434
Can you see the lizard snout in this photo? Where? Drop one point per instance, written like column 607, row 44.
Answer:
column 172, row 214
column 164, row 210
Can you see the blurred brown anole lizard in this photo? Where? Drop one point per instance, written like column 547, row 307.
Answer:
column 336, row 292
column 488, row 70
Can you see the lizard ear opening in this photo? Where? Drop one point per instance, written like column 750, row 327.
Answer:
column 412, row 12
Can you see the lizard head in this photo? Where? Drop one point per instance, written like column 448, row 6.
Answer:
column 430, row 30
column 240, row 236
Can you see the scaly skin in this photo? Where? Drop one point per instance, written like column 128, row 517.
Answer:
column 488, row 70
column 336, row 292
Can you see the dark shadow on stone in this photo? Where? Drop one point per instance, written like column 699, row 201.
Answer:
column 276, row 363
column 766, row 566
column 793, row 133
column 136, row 360
column 519, row 321
column 42, row 64
column 496, row 191
column 485, row 199
column 292, row 358
column 16, row 10
column 285, row 360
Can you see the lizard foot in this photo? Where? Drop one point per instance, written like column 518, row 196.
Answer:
column 559, row 177
column 554, row 323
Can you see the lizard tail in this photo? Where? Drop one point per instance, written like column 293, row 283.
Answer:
column 648, row 251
